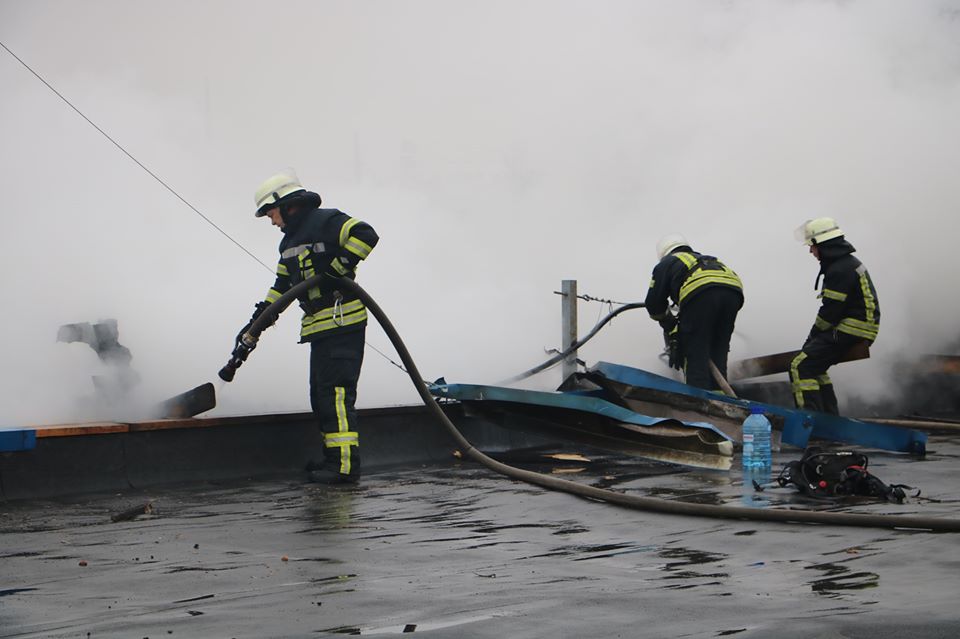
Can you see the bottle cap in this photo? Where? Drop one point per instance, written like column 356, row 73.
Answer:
column 756, row 410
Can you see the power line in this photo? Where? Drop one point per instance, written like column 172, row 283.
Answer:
column 384, row 356
column 590, row 298
column 156, row 177
column 135, row 160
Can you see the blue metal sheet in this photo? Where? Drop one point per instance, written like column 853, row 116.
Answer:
column 863, row 433
column 572, row 401
column 799, row 425
column 14, row 439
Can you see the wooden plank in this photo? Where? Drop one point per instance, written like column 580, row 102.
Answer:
column 109, row 428
column 780, row 362
column 73, row 430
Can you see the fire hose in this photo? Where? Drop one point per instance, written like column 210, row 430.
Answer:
column 573, row 347
column 649, row 504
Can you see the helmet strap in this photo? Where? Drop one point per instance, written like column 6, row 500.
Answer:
column 285, row 212
column 284, row 208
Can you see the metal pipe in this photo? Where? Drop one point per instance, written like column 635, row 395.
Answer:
column 568, row 333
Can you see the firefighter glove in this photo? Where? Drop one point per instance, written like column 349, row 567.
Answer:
column 672, row 340
column 257, row 312
column 668, row 323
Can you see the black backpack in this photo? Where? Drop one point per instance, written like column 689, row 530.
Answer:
column 822, row 474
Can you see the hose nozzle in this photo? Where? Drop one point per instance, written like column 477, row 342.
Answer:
column 227, row 372
column 244, row 346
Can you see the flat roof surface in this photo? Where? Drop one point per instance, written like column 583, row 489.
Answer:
column 460, row 551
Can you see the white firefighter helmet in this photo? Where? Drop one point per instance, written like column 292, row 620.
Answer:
column 818, row 231
column 669, row 242
column 275, row 188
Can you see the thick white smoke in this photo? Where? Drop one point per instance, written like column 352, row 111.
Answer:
column 497, row 148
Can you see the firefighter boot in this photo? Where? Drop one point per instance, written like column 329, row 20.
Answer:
column 331, row 470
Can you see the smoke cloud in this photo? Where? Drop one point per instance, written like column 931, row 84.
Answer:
column 497, row 147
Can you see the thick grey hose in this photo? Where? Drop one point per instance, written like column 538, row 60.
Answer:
column 651, row 504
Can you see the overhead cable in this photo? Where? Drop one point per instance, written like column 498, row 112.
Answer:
column 135, row 160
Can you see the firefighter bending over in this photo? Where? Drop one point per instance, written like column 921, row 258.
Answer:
column 709, row 296
column 849, row 313
column 327, row 241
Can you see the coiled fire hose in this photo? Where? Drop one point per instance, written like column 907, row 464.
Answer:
column 650, row 504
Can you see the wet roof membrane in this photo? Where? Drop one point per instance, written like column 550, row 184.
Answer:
column 455, row 550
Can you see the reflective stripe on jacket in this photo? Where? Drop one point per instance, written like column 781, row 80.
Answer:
column 318, row 241
column 681, row 275
column 848, row 298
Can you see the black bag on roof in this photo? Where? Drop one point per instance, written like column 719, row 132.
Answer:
column 824, row 474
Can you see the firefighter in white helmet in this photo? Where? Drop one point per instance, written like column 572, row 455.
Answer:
column 849, row 313
column 709, row 296
column 330, row 242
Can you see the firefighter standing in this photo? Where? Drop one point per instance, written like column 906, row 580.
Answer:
column 709, row 296
column 330, row 242
column 849, row 313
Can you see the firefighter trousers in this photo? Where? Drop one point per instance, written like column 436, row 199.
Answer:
column 706, row 325
column 335, row 362
column 811, row 385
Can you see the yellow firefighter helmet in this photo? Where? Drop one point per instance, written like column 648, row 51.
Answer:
column 818, row 231
column 669, row 242
column 275, row 188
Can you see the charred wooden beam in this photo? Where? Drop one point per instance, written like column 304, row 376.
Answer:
column 193, row 402
column 780, row 362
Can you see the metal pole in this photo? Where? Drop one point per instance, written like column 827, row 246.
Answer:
column 568, row 301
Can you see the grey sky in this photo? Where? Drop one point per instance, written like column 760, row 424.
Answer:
column 497, row 147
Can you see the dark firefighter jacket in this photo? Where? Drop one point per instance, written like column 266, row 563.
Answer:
column 849, row 301
column 317, row 241
column 682, row 274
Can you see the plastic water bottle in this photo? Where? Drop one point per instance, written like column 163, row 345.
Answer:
column 756, row 440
